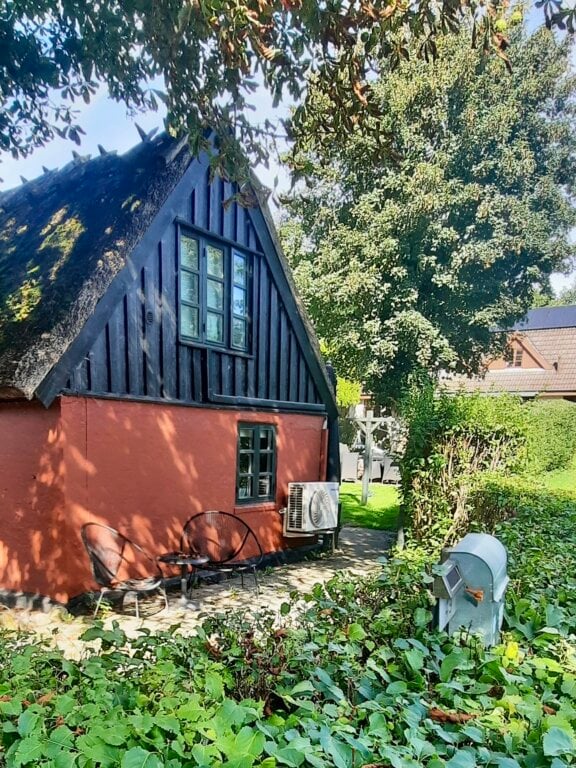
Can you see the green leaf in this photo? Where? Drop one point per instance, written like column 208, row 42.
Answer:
column 140, row 758
column 474, row 734
column 205, row 754
column 289, row 756
column 60, row 738
column 558, row 741
column 398, row 686
column 506, row 762
column 450, row 663
column 356, row 633
column 144, row 723
column 415, row 659
column 28, row 722
column 304, row 686
column 113, row 734
column 167, row 723
column 65, row 760
column 28, row 751
column 97, row 750
column 462, row 758
column 249, row 741
column 422, row 617
column 214, row 685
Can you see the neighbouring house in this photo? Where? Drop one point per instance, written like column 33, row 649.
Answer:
column 540, row 359
column 155, row 362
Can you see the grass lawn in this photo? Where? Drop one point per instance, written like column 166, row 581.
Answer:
column 381, row 511
column 561, row 480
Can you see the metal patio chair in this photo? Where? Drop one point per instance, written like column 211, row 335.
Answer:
column 228, row 542
column 120, row 565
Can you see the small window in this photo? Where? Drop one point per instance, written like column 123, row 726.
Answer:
column 515, row 361
column 256, row 471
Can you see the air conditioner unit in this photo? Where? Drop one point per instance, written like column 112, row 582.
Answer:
column 311, row 507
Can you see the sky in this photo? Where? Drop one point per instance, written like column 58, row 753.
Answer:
column 107, row 122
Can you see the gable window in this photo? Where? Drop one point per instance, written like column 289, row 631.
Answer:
column 256, row 468
column 516, row 359
column 214, row 293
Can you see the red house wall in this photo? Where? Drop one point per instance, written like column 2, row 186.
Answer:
column 143, row 468
column 33, row 551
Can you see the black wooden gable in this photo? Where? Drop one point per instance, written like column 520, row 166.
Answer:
column 132, row 346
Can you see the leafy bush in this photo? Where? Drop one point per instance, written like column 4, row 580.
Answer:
column 541, row 539
column 354, row 678
column 452, row 441
column 551, row 435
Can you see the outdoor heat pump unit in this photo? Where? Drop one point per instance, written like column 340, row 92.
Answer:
column 312, row 507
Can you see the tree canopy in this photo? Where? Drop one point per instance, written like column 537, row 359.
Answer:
column 211, row 54
column 408, row 259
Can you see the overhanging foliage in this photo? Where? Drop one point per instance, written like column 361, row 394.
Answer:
column 211, row 54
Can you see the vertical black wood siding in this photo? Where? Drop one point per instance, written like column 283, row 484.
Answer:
column 138, row 354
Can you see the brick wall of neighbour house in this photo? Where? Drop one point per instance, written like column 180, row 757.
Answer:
column 143, row 468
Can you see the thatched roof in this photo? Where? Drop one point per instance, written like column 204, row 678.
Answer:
column 63, row 238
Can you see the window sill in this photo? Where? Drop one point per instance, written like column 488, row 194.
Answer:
column 255, row 506
column 216, row 348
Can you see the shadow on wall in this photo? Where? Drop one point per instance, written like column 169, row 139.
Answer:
column 143, row 469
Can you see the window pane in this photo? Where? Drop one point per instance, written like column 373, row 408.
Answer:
column 265, row 463
column 244, row 487
column 245, row 463
column 215, row 261
column 239, row 269
column 239, row 301
column 189, row 287
column 215, row 298
column 189, row 321
column 246, row 439
column 189, row 252
column 214, row 327
column 264, row 486
column 239, row 333
column 265, row 439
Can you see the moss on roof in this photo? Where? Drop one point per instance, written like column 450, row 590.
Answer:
column 63, row 238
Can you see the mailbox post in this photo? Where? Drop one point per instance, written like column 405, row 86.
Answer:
column 470, row 585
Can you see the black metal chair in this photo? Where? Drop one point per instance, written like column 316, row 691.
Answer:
column 228, row 542
column 120, row 565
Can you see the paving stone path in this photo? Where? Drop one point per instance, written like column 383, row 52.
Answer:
column 358, row 553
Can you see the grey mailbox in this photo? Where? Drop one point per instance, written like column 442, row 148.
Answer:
column 470, row 585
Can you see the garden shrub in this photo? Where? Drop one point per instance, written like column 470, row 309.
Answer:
column 355, row 678
column 542, row 537
column 551, row 432
column 452, row 442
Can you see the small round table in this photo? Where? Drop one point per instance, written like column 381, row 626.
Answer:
column 184, row 561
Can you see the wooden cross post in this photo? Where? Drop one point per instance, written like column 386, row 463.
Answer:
column 368, row 426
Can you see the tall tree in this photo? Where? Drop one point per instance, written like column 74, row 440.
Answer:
column 209, row 53
column 407, row 259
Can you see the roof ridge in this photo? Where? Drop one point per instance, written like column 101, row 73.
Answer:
column 147, row 140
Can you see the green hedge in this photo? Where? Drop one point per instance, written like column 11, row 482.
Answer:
column 551, row 432
column 452, row 441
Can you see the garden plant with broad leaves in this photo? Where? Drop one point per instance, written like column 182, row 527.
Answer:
column 211, row 54
column 354, row 678
column 409, row 258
